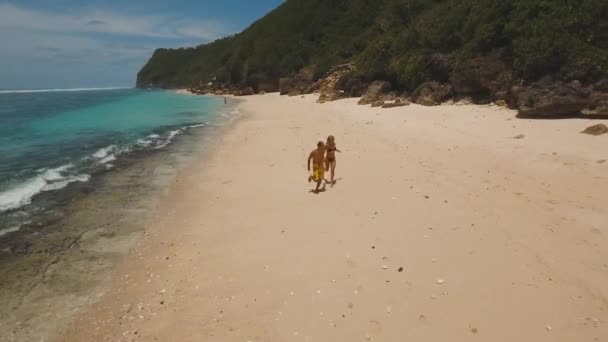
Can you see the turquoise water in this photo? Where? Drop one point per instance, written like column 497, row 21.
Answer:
column 49, row 140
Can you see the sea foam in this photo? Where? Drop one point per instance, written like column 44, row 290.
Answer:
column 46, row 180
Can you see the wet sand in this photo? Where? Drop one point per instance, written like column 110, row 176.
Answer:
column 449, row 223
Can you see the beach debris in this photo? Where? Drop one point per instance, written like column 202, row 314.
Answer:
column 373, row 247
column 384, row 267
column 549, row 328
column 519, row 136
column 427, row 197
column 433, row 296
column 474, row 330
column 388, row 309
column 162, row 291
column 400, row 269
column 601, row 161
column 440, row 281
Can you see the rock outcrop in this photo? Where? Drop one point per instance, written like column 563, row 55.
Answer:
column 377, row 91
column 551, row 99
column 432, row 93
column 338, row 83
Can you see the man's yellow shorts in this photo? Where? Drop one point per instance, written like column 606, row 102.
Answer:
column 318, row 173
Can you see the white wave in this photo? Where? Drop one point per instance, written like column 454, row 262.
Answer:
column 47, row 180
column 21, row 195
column 55, row 174
column 9, row 230
column 62, row 184
column 104, row 152
column 169, row 138
column 198, row 125
column 144, row 142
column 25, row 91
column 108, row 159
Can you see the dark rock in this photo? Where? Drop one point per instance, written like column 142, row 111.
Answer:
column 598, row 106
column 267, row 87
column 598, row 129
column 432, row 93
column 375, row 92
column 397, row 103
column 247, row 91
column 285, row 84
column 601, row 85
column 551, row 99
column 378, row 104
column 332, row 85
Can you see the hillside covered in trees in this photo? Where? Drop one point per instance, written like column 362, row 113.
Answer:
column 475, row 46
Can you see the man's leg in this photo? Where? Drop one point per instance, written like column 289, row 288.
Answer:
column 319, row 181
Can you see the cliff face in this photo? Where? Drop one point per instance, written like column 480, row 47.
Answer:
column 513, row 52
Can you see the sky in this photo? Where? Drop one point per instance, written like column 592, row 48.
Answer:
column 48, row 44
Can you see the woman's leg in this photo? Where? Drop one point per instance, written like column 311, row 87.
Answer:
column 333, row 170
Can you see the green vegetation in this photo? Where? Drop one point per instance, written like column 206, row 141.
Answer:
column 395, row 40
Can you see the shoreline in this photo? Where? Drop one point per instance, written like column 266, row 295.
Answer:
column 419, row 238
column 59, row 263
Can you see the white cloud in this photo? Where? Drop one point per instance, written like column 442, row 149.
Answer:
column 102, row 21
column 87, row 47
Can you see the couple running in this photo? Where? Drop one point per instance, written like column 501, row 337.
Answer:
column 323, row 158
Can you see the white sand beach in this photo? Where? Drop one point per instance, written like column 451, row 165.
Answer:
column 442, row 227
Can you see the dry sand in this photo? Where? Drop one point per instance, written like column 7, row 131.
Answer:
column 443, row 226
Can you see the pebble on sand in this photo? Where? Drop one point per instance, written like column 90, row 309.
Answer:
column 440, row 281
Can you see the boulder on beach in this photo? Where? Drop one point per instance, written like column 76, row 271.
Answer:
column 553, row 99
column 432, row 93
column 375, row 92
column 598, row 129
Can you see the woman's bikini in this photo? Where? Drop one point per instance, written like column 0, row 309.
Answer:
column 331, row 154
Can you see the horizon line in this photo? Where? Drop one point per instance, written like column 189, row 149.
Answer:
column 17, row 91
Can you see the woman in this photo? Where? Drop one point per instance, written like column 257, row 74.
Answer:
column 330, row 157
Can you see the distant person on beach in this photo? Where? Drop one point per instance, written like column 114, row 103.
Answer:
column 225, row 100
column 318, row 165
column 330, row 158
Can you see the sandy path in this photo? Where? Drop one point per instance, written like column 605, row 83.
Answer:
column 499, row 239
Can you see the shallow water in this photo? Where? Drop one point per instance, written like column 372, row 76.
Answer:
column 49, row 140
column 58, row 256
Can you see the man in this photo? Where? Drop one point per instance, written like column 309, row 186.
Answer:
column 318, row 168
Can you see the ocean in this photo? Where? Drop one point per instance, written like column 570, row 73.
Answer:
column 81, row 174
column 52, row 139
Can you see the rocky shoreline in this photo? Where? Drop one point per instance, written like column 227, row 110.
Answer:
column 482, row 80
